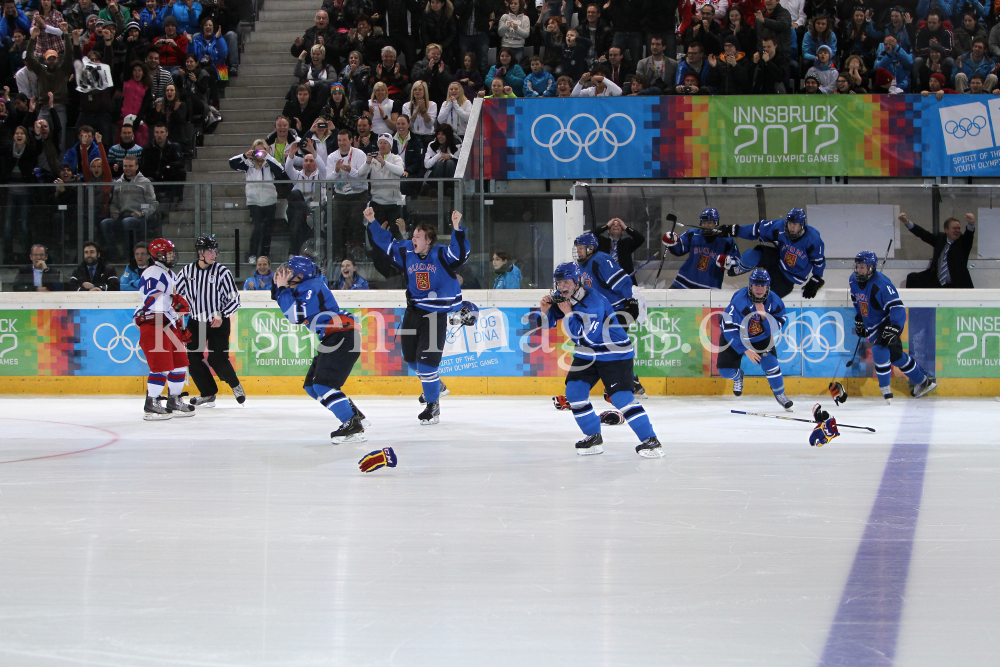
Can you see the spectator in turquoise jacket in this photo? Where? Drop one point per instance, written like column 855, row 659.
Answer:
column 508, row 70
column 208, row 45
column 349, row 278
column 132, row 277
column 897, row 61
column 261, row 278
column 508, row 275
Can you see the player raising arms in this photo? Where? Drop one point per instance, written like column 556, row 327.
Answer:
column 432, row 291
column 880, row 317
column 304, row 298
column 162, row 335
column 602, row 274
column 796, row 250
column 749, row 325
column 603, row 352
column 703, row 246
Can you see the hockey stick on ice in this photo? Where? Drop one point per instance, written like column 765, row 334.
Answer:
column 796, row 419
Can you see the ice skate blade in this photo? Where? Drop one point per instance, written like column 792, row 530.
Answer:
column 589, row 451
column 430, row 422
column 349, row 439
column 179, row 413
column 926, row 391
column 656, row 453
column 156, row 417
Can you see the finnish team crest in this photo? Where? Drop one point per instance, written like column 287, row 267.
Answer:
column 423, row 280
column 703, row 262
column 864, row 308
column 790, row 259
column 755, row 326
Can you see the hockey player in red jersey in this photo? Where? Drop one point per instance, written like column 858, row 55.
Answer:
column 162, row 335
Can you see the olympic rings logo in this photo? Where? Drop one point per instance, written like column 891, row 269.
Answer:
column 120, row 338
column 966, row 127
column 583, row 144
column 804, row 335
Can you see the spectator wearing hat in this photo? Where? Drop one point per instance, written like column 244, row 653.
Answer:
column 810, row 86
column 79, row 15
column 976, row 61
column 187, row 13
column 731, row 68
column 384, row 169
column 172, row 45
column 936, row 86
column 885, row 83
column 823, row 69
column 53, row 75
column 339, row 110
column 897, row 61
column 134, row 46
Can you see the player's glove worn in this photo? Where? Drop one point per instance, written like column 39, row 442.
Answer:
column 380, row 458
column 183, row 334
column 819, row 414
column 824, row 433
column 631, row 306
column 670, row 239
column 560, row 402
column 890, row 334
column 180, row 304
column 859, row 326
column 811, row 287
column 612, row 418
column 838, row 393
column 726, row 231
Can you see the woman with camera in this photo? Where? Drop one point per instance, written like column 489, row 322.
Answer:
column 262, row 197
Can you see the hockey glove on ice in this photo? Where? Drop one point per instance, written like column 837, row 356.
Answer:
column 859, row 326
column 890, row 334
column 819, row 414
column 380, row 458
column 612, row 418
column 810, row 289
column 838, row 392
column 560, row 402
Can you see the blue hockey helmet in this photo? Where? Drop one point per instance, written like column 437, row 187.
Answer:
column 568, row 271
column 868, row 258
column 709, row 215
column 759, row 276
column 300, row 264
column 799, row 216
column 588, row 240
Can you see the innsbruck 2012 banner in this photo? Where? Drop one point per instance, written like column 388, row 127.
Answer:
column 742, row 136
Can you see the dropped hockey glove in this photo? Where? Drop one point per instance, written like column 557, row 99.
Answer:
column 380, row 458
column 859, row 326
column 670, row 239
column 824, row 433
column 467, row 316
column 612, row 418
column 819, row 414
column 890, row 334
column 838, row 392
column 810, row 289
column 560, row 402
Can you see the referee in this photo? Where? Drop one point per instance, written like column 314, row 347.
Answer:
column 210, row 289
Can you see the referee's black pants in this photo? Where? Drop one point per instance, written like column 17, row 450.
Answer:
column 216, row 341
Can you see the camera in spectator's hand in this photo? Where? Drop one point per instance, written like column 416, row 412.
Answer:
column 260, row 154
column 686, row 90
column 322, row 125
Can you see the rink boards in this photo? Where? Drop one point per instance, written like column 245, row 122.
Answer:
column 85, row 343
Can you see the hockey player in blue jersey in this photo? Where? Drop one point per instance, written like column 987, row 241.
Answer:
column 603, row 353
column 305, row 299
column 749, row 325
column 880, row 317
column 602, row 274
column 703, row 246
column 795, row 250
column 432, row 291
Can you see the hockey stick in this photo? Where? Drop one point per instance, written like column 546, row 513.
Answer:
column 795, row 419
column 861, row 338
column 645, row 263
column 671, row 218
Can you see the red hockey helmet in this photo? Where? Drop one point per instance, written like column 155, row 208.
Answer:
column 159, row 247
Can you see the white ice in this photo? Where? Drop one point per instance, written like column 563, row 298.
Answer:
column 241, row 537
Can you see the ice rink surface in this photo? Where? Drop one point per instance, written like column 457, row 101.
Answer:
column 242, row 538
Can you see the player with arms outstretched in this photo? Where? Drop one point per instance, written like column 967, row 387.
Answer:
column 305, row 299
column 602, row 274
column 603, row 353
column 880, row 317
column 162, row 335
column 749, row 326
column 703, row 246
column 795, row 251
column 432, row 291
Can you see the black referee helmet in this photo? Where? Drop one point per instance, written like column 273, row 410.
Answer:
column 206, row 243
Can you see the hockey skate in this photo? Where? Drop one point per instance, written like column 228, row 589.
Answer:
column 177, row 406
column 203, row 401
column 364, row 420
column 349, row 432
column 431, row 414
column 649, row 448
column 637, row 389
column 738, row 384
column 924, row 387
column 785, row 402
column 887, row 394
column 444, row 392
column 592, row 444
column 153, row 411
column 241, row 396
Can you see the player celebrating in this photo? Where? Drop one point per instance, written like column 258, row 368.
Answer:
column 795, row 250
column 304, row 298
column 703, row 246
column 162, row 334
column 880, row 317
column 749, row 325
column 432, row 291
column 603, row 352
column 602, row 274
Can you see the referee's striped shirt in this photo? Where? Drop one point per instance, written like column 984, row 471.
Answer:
column 211, row 292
